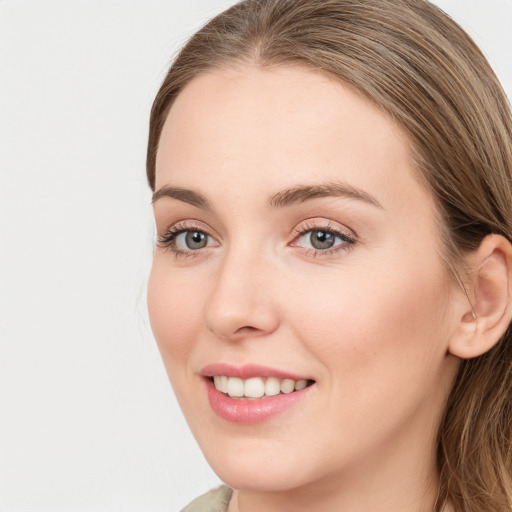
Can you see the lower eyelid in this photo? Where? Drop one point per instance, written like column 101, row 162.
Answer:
column 168, row 240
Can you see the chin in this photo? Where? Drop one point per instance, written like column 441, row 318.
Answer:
column 270, row 479
column 260, row 468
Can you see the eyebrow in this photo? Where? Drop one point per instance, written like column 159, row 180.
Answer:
column 295, row 195
column 182, row 194
column 302, row 193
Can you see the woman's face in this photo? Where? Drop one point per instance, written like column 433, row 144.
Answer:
column 297, row 247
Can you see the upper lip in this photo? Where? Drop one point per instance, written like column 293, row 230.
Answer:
column 248, row 371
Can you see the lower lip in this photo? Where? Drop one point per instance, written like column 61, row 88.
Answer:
column 251, row 411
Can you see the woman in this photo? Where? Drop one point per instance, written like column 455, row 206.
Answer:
column 331, row 284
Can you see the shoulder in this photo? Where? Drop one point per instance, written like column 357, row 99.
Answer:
column 216, row 500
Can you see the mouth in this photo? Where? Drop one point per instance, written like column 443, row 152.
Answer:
column 256, row 388
column 252, row 394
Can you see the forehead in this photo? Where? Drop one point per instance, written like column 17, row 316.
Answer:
column 264, row 129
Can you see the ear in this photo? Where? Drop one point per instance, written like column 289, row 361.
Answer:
column 484, row 318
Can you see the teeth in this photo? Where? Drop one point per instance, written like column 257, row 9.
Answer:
column 272, row 386
column 287, row 386
column 300, row 384
column 221, row 383
column 235, row 387
column 224, row 384
column 256, row 387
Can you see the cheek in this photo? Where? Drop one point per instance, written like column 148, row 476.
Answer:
column 174, row 313
column 380, row 341
column 369, row 327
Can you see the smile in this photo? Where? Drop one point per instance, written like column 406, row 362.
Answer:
column 257, row 387
column 251, row 393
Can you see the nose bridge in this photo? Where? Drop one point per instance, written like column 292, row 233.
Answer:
column 242, row 301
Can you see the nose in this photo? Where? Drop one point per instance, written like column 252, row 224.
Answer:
column 243, row 303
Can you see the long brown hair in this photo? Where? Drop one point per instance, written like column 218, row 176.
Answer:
column 414, row 62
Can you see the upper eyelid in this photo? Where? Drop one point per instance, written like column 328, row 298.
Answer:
column 298, row 230
column 167, row 240
column 177, row 228
column 346, row 240
column 325, row 224
column 337, row 233
column 188, row 225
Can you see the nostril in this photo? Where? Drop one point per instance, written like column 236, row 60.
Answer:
column 246, row 329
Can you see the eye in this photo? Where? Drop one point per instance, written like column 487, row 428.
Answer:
column 322, row 240
column 186, row 240
column 192, row 240
column 319, row 239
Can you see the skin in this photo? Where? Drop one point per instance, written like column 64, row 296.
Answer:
column 371, row 321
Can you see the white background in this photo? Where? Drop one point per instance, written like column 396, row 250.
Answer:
column 88, row 421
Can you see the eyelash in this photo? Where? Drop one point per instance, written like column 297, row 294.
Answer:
column 348, row 240
column 168, row 239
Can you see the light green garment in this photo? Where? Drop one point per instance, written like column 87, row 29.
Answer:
column 217, row 500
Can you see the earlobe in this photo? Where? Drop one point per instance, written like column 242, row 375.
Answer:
column 487, row 314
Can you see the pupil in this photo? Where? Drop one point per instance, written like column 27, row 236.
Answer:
column 322, row 239
column 196, row 240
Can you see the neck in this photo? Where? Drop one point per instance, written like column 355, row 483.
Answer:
column 235, row 506
column 402, row 480
column 403, row 498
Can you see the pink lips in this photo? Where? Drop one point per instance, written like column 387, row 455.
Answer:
column 247, row 371
column 255, row 410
